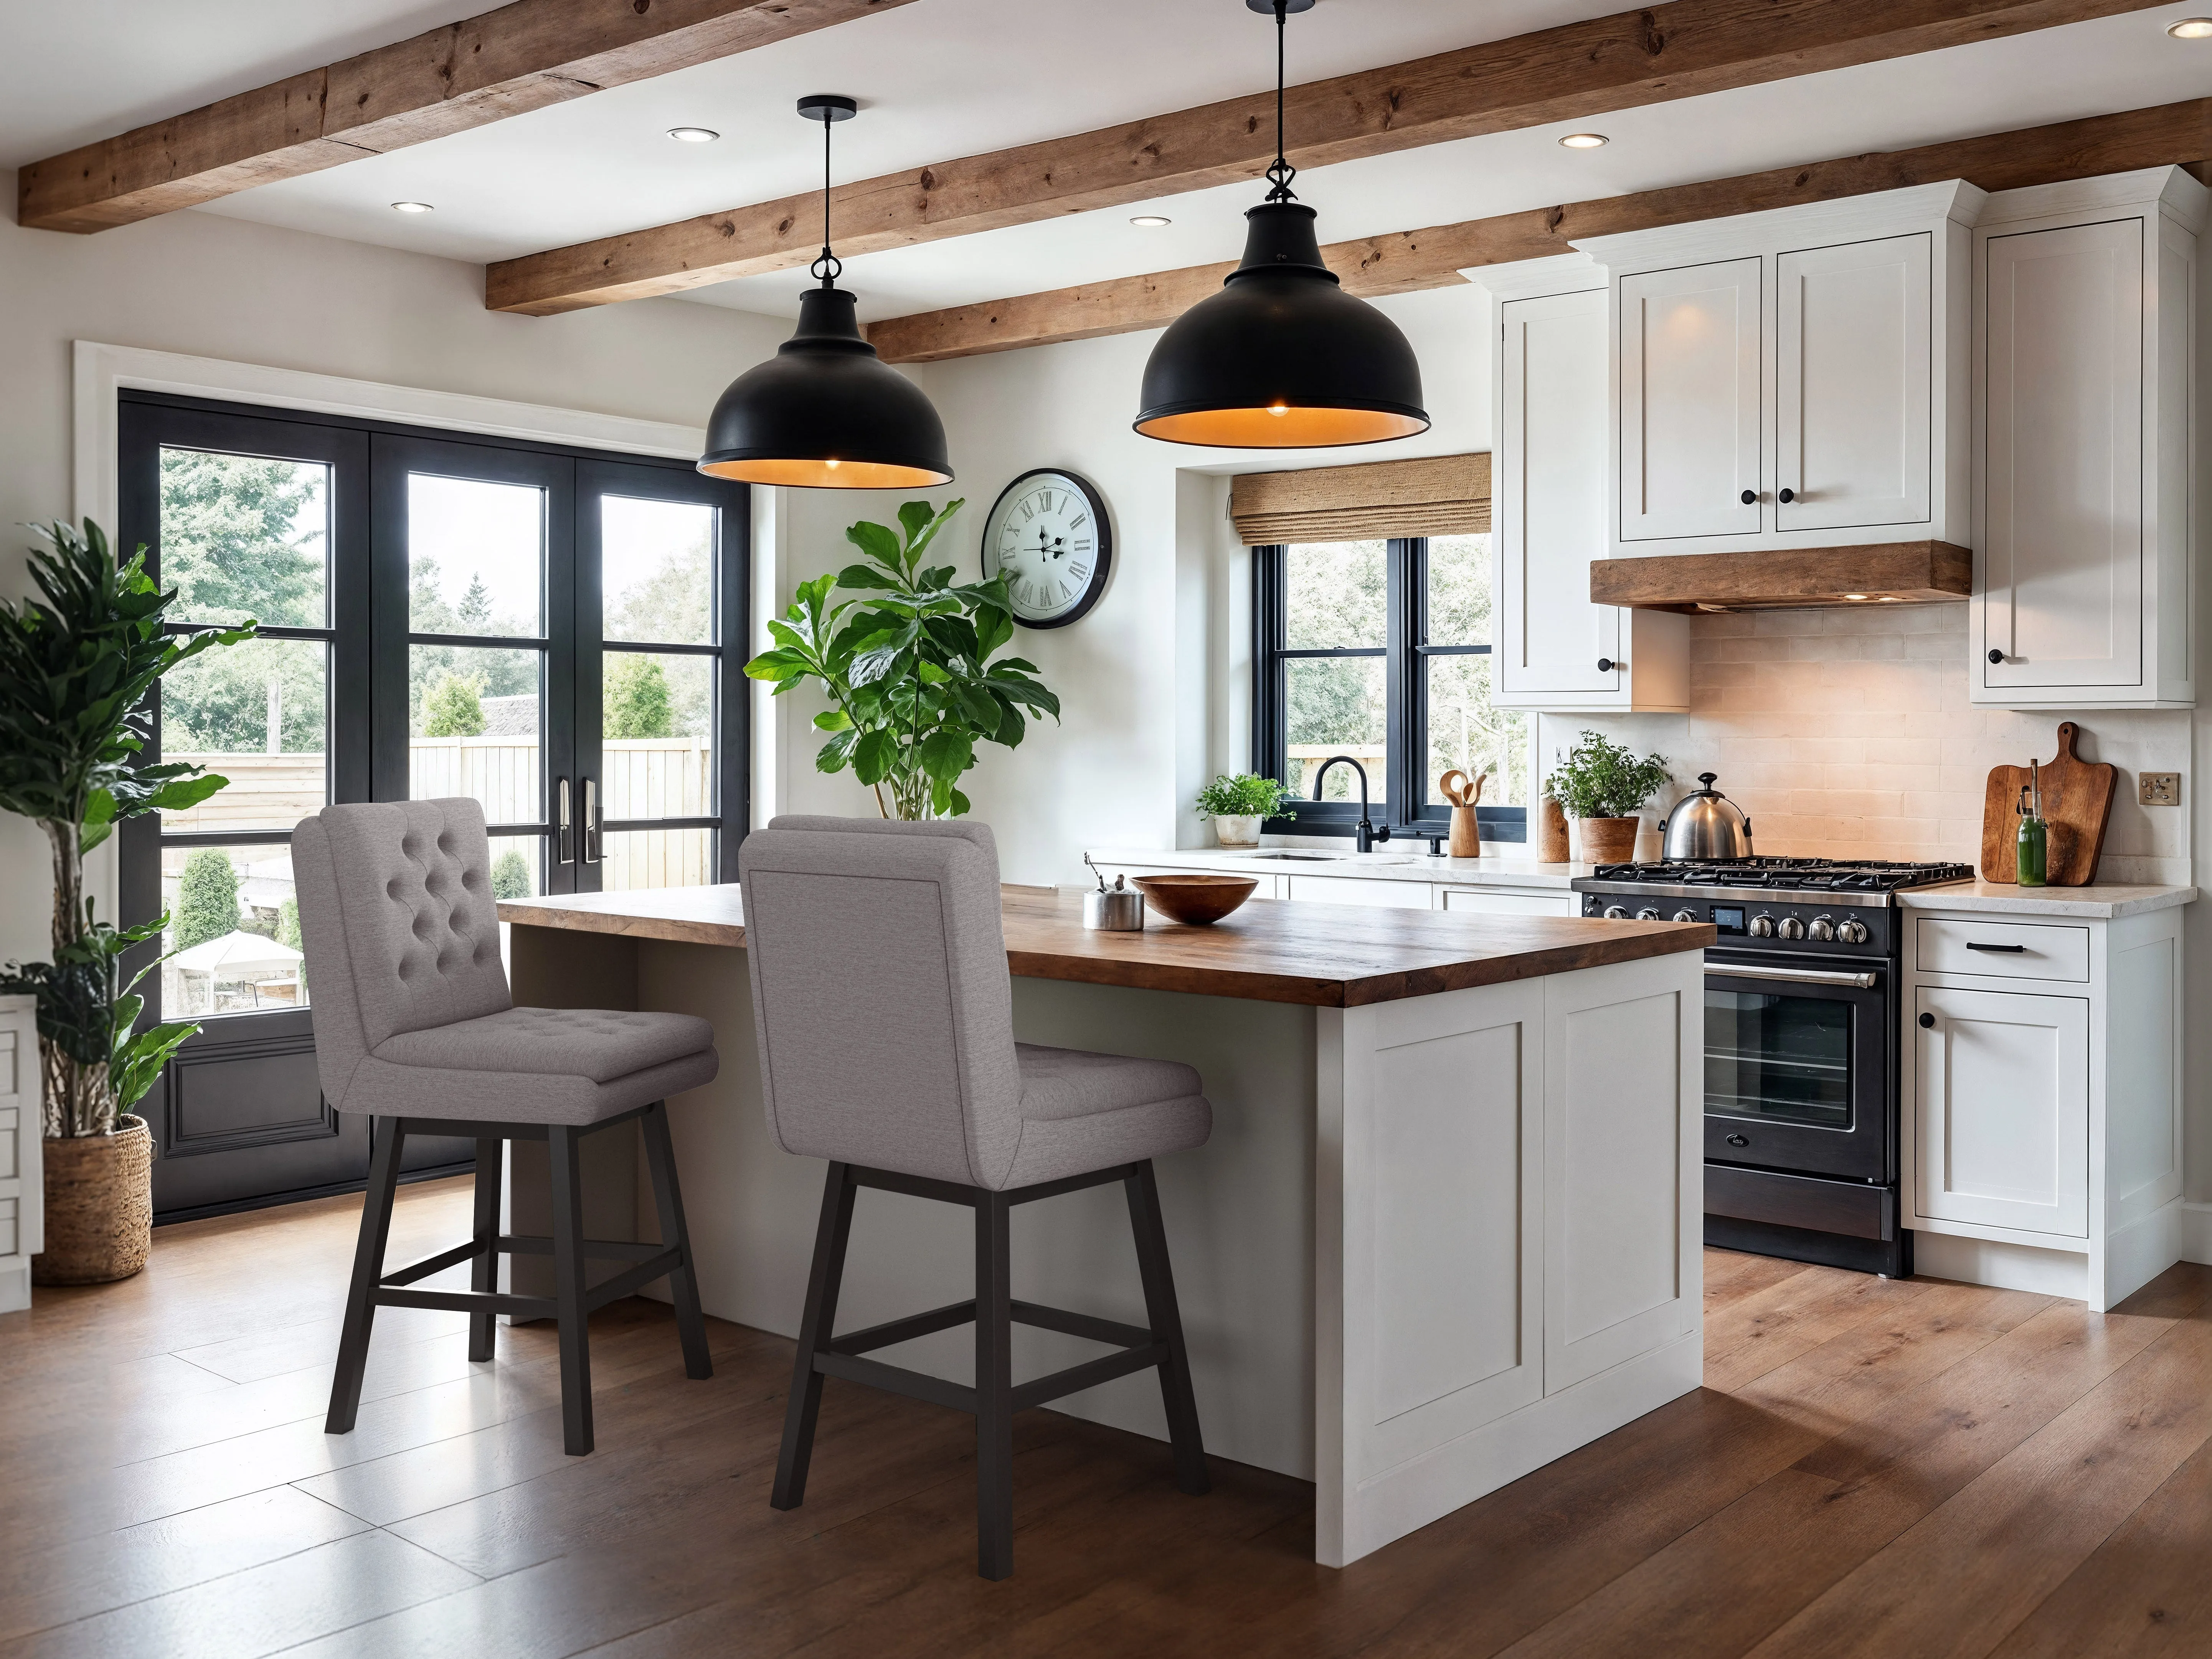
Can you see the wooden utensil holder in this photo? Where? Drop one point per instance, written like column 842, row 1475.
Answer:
column 1465, row 833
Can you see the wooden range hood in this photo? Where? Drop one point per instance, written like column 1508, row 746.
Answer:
column 1910, row 572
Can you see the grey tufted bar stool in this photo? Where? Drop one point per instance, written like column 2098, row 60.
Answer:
column 415, row 1027
column 883, row 1014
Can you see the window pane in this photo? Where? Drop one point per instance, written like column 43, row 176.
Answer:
column 476, row 727
column 476, row 557
column 1459, row 590
column 1335, row 594
column 234, row 927
column 1466, row 733
column 517, row 867
column 658, row 751
column 244, row 537
column 632, row 858
column 257, row 713
column 657, row 570
column 1337, row 707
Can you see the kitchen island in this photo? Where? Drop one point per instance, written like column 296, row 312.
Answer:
column 1447, row 1229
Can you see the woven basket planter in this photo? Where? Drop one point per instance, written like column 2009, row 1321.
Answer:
column 100, row 1206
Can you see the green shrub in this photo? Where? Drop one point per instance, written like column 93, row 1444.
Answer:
column 637, row 703
column 1245, row 796
column 207, row 899
column 510, row 875
column 1600, row 779
column 453, row 707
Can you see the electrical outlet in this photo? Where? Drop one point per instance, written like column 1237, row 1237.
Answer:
column 2160, row 788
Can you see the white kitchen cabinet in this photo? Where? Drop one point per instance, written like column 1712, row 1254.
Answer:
column 1819, row 349
column 1551, row 398
column 2042, row 1094
column 1689, row 357
column 1361, row 889
column 1509, row 901
column 21, row 1226
column 2083, row 340
column 2002, row 1109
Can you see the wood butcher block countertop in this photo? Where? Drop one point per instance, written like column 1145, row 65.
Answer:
column 1329, row 956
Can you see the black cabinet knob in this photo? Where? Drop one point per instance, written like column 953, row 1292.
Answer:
column 1996, row 656
column 1738, row 1140
column 1927, row 1022
column 1786, row 495
column 1749, row 497
column 1605, row 665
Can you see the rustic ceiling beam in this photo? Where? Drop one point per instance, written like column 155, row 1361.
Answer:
column 1648, row 56
column 520, row 57
column 1414, row 259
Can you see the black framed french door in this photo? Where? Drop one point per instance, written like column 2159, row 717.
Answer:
column 439, row 613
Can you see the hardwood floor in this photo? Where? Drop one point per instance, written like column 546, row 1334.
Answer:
column 1884, row 1468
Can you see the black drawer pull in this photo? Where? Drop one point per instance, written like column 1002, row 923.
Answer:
column 1748, row 498
column 1999, row 949
column 1927, row 1022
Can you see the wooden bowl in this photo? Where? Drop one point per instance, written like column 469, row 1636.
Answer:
column 1195, row 900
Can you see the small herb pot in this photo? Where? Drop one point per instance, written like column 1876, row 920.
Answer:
column 1610, row 841
column 1237, row 831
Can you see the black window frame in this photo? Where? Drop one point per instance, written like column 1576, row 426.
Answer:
column 1406, row 653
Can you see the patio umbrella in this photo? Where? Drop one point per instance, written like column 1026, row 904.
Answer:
column 238, row 956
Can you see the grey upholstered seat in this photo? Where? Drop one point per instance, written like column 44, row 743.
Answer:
column 412, row 1014
column 884, row 1015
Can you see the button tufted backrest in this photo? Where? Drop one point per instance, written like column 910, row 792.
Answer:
column 882, row 1006
column 414, row 915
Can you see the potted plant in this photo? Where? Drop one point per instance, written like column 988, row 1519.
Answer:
column 1604, row 786
column 73, row 674
column 909, row 669
column 1238, row 805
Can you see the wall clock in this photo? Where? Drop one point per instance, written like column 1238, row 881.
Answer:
column 1048, row 535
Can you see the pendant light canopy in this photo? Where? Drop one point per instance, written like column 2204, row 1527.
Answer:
column 825, row 412
column 1282, row 358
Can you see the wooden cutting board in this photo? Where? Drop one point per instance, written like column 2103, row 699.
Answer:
column 2077, row 803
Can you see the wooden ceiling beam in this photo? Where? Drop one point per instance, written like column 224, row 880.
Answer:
column 1679, row 50
column 1415, row 260
column 520, row 57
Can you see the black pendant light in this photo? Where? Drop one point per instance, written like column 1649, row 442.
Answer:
column 825, row 412
column 1282, row 358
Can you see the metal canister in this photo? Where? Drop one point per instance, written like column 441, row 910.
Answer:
column 1115, row 909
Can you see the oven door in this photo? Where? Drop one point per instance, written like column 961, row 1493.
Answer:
column 1797, row 1065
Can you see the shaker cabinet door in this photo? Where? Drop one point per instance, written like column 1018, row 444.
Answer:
column 1549, row 498
column 2062, row 518
column 2001, row 1109
column 1689, row 427
column 1852, row 384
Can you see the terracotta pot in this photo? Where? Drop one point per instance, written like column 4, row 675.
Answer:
column 1609, row 841
column 1242, row 831
column 100, row 1206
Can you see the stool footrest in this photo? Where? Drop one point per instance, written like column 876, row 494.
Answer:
column 471, row 1302
column 629, row 1283
column 843, row 1356
column 1088, row 1375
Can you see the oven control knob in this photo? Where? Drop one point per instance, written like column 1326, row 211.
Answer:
column 1685, row 915
column 1821, row 931
column 1791, row 928
column 1649, row 912
column 1853, row 931
column 1616, row 913
column 1762, row 926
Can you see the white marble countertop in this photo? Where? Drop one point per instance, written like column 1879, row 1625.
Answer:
column 1496, row 870
column 2100, row 901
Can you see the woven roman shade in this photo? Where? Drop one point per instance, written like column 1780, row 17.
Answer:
column 1438, row 495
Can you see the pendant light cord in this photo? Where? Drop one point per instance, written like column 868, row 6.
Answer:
column 830, row 267
column 1280, row 171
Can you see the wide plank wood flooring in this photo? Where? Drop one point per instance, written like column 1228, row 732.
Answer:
column 1891, row 1469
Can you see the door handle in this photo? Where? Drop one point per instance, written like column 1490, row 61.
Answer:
column 1606, row 664
column 563, row 826
column 591, row 821
column 1999, row 949
column 1790, row 975
column 1748, row 498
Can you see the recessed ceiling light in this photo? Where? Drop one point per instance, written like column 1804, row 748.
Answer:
column 1152, row 221
column 1887, row 598
column 1585, row 141
column 2191, row 28
column 1855, row 596
column 411, row 207
column 693, row 135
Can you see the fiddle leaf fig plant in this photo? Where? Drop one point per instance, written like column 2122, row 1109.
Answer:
column 912, row 670
column 75, row 665
column 1600, row 779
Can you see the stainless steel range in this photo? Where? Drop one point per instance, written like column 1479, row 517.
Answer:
column 1802, row 1114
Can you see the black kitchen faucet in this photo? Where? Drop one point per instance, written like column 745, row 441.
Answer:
column 1366, row 835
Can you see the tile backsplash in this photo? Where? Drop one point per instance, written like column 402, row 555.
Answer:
column 1846, row 732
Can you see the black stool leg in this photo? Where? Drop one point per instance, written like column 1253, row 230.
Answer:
column 1165, row 1318
column 568, row 1289
column 483, row 1273
column 388, row 1133
column 683, row 1281
column 815, row 1327
column 994, row 1387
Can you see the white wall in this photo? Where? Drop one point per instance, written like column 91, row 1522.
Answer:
column 215, row 286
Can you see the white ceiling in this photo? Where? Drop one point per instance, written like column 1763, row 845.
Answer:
column 942, row 78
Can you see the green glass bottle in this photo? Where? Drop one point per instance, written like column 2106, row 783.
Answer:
column 2033, row 859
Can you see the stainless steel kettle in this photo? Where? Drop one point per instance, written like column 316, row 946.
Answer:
column 1707, row 826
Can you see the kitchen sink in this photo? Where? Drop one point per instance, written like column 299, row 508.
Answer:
column 1303, row 858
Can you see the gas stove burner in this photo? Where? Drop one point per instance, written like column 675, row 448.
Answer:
column 1793, row 875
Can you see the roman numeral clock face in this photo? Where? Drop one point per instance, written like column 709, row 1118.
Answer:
column 1048, row 535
